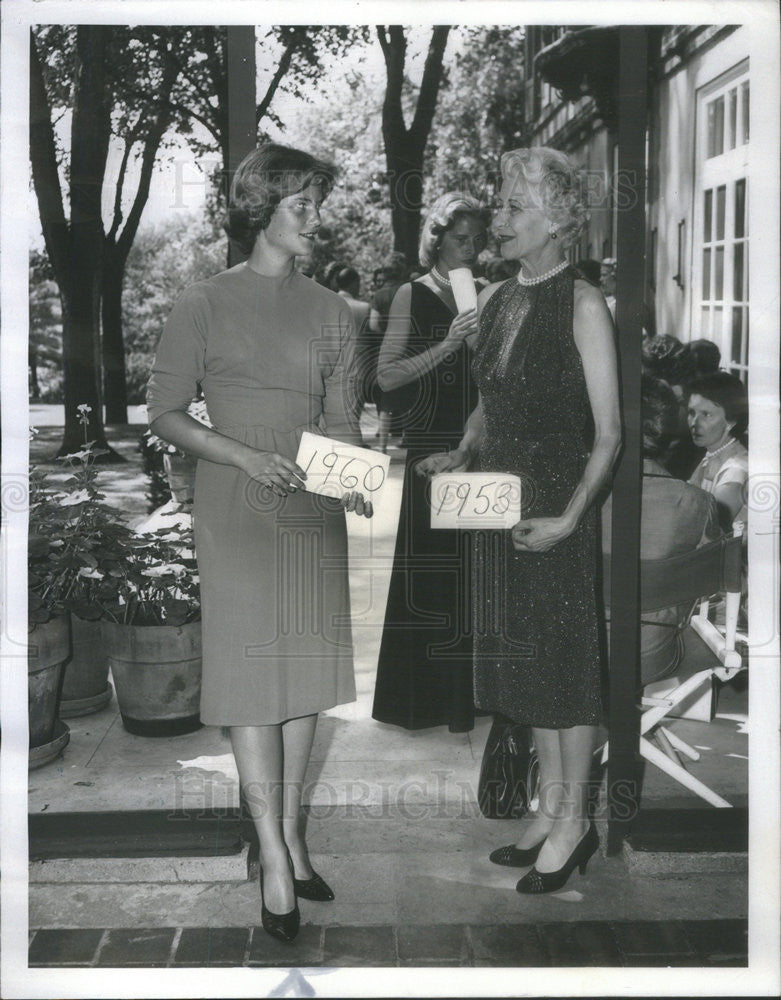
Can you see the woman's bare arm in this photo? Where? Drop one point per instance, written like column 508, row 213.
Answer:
column 204, row 442
column 394, row 369
column 595, row 339
column 460, row 458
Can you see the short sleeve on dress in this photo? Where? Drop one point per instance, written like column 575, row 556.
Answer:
column 179, row 361
column 734, row 470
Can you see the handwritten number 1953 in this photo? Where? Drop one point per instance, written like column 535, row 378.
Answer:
column 482, row 498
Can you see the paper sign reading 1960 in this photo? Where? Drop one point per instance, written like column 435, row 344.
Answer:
column 475, row 500
column 334, row 468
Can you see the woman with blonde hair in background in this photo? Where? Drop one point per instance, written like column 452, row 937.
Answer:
column 424, row 674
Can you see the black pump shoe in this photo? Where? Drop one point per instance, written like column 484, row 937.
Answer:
column 515, row 857
column 535, row 882
column 282, row 926
column 314, row 888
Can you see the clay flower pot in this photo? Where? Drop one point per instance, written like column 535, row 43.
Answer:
column 157, row 675
column 48, row 650
column 85, row 688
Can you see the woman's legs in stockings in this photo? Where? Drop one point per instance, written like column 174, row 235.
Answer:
column 546, row 742
column 297, row 737
column 565, row 766
column 271, row 761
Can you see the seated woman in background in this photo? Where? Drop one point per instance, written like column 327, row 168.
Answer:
column 718, row 415
column 665, row 357
column 675, row 519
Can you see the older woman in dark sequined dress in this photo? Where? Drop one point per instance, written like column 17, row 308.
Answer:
column 545, row 367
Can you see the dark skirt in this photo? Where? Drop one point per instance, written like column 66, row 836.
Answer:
column 424, row 674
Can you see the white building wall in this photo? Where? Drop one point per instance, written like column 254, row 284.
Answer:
column 673, row 151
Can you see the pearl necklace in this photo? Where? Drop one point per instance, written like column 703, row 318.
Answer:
column 439, row 279
column 727, row 443
column 542, row 277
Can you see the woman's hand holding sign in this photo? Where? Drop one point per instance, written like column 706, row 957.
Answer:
column 444, row 461
column 354, row 476
column 275, row 472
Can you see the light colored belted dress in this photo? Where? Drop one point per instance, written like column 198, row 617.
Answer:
column 274, row 359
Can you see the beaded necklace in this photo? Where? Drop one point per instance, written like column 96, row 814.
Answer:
column 727, row 443
column 439, row 279
column 526, row 282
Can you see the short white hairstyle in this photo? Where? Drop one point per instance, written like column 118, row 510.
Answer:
column 442, row 215
column 554, row 185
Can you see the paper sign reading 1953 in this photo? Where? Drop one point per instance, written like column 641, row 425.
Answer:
column 475, row 500
column 334, row 468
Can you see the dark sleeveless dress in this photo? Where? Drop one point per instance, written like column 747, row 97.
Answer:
column 424, row 673
column 536, row 636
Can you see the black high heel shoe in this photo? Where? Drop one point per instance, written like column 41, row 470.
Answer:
column 282, row 926
column 515, row 857
column 535, row 882
column 315, row 888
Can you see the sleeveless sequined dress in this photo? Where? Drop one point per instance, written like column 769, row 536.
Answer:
column 424, row 672
column 536, row 635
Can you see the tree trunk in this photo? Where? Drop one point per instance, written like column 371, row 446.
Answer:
column 114, row 380
column 405, row 147
column 405, row 177
column 117, row 246
column 90, row 133
column 32, row 361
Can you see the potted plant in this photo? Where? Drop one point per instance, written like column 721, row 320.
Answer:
column 179, row 466
column 48, row 628
column 151, row 629
column 71, row 530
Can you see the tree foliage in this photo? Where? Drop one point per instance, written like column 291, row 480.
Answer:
column 111, row 82
column 405, row 145
column 44, row 345
column 346, row 131
column 128, row 90
column 165, row 260
column 480, row 113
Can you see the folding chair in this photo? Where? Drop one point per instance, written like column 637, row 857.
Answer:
column 680, row 580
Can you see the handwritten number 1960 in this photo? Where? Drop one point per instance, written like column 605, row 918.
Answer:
column 372, row 480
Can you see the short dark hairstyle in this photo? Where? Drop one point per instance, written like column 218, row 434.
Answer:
column 705, row 355
column 346, row 278
column 660, row 415
column 329, row 273
column 664, row 356
column 728, row 392
column 262, row 179
column 396, row 267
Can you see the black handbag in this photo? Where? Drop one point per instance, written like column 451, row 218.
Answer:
column 509, row 772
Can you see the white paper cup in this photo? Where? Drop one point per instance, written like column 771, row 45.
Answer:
column 464, row 292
